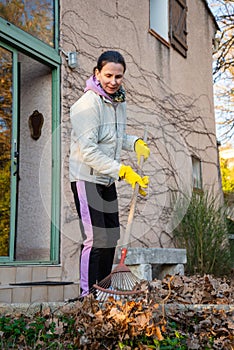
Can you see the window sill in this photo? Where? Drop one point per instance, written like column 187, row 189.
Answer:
column 159, row 37
column 198, row 190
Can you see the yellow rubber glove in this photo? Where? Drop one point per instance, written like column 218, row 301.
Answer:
column 141, row 149
column 130, row 176
column 145, row 179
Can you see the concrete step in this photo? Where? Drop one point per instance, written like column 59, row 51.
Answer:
column 33, row 293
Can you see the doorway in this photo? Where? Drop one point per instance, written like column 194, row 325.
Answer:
column 26, row 157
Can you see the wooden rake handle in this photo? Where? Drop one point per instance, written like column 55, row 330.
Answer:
column 134, row 199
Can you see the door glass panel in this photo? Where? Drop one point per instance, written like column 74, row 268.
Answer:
column 5, row 148
column 35, row 17
column 35, row 160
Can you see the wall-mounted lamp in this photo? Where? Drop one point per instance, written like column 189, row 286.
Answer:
column 71, row 57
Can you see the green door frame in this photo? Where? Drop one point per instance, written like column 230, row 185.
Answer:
column 17, row 39
column 14, row 138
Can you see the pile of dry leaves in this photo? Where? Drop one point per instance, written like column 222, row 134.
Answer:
column 194, row 290
column 197, row 309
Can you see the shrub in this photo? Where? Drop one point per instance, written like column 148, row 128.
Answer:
column 203, row 232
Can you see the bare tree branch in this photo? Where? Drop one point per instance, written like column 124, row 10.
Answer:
column 223, row 71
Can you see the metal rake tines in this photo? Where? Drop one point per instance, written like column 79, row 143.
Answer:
column 123, row 281
column 119, row 283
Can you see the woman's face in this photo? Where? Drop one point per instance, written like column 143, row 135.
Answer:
column 110, row 76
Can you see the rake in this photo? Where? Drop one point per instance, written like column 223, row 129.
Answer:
column 121, row 282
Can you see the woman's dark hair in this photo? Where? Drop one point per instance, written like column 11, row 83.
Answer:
column 107, row 57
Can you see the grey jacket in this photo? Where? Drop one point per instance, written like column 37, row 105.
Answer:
column 97, row 138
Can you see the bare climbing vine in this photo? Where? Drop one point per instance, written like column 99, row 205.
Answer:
column 175, row 121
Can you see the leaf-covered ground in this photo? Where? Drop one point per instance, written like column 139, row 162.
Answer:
column 177, row 313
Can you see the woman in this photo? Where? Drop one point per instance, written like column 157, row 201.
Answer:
column 98, row 121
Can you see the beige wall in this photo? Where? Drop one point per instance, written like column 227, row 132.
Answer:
column 170, row 94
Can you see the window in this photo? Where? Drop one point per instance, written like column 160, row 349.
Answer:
column 5, row 148
column 168, row 23
column 159, row 18
column 34, row 17
column 197, row 176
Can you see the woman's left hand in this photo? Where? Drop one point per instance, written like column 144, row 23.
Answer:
column 141, row 149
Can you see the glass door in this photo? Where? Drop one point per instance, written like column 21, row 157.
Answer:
column 8, row 150
column 25, row 157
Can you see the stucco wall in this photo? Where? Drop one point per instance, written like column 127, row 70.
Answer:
column 194, row 81
column 170, row 94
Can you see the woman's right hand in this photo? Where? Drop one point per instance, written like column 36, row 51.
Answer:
column 130, row 176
